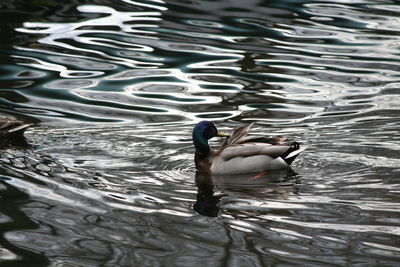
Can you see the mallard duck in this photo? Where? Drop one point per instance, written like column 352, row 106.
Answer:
column 238, row 154
column 12, row 130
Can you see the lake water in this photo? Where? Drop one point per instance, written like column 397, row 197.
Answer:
column 115, row 88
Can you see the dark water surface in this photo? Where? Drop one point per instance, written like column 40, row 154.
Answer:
column 116, row 87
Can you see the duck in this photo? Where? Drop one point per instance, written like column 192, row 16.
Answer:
column 239, row 154
column 12, row 131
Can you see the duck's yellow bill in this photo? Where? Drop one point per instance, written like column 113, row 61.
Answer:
column 223, row 134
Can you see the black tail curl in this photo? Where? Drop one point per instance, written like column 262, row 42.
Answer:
column 293, row 147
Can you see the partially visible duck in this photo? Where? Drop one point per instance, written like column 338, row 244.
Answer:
column 238, row 154
column 12, row 131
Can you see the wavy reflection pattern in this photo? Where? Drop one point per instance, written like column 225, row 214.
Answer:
column 278, row 63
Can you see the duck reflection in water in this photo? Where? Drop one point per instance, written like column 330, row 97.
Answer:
column 271, row 185
column 206, row 203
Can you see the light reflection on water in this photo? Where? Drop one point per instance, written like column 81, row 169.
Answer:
column 292, row 65
column 109, row 178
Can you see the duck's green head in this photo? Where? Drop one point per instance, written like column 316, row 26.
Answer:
column 202, row 132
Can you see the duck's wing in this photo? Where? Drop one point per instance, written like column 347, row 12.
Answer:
column 268, row 140
column 254, row 149
column 238, row 134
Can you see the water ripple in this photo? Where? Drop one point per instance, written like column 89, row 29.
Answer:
column 313, row 59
